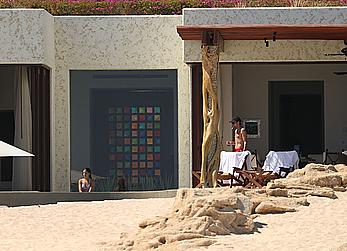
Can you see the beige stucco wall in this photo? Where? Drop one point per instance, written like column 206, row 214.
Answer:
column 27, row 37
column 237, row 80
column 255, row 51
column 116, row 43
column 226, row 97
column 250, row 97
column 151, row 42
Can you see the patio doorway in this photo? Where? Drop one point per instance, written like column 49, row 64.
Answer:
column 37, row 79
column 124, row 127
column 197, row 123
column 296, row 116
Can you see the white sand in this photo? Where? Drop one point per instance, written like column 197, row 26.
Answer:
column 94, row 225
column 320, row 226
column 74, row 225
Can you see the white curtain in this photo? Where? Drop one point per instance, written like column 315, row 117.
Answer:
column 22, row 173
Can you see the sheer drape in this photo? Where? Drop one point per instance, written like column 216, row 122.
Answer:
column 22, row 166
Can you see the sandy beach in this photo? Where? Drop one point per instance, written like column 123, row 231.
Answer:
column 74, row 226
column 77, row 226
column 320, row 226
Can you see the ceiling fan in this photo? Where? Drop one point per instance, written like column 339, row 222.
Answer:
column 343, row 52
column 340, row 72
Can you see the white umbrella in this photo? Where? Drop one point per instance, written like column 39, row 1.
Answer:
column 7, row 150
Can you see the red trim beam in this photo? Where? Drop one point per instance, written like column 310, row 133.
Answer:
column 267, row 31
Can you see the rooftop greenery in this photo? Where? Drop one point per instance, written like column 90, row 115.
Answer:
column 153, row 7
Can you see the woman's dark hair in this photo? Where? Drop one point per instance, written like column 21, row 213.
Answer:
column 89, row 171
column 235, row 120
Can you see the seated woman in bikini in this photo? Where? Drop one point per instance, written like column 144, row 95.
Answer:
column 86, row 184
column 240, row 142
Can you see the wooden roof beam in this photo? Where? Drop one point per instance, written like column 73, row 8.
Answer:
column 266, row 31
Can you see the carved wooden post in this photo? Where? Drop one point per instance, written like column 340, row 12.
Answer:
column 211, row 143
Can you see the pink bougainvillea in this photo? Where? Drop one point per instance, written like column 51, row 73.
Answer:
column 153, row 7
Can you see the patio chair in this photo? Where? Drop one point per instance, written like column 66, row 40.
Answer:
column 245, row 178
column 231, row 174
column 251, row 176
column 256, row 165
column 236, row 178
column 257, row 177
column 197, row 174
column 281, row 162
column 230, row 178
column 285, row 171
column 333, row 158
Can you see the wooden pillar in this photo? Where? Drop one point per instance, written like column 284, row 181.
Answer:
column 211, row 142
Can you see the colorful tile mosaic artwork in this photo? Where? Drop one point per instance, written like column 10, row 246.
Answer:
column 134, row 141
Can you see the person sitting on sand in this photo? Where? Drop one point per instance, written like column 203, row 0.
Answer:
column 86, row 184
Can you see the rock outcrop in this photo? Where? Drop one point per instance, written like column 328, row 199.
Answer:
column 199, row 214
column 196, row 214
column 314, row 179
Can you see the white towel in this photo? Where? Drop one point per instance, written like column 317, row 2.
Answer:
column 229, row 160
column 275, row 160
